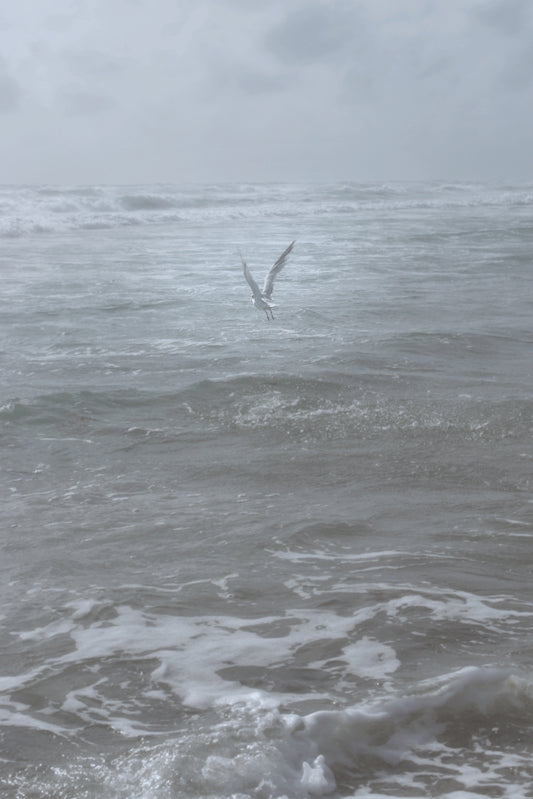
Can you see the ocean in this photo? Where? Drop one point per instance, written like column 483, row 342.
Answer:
column 266, row 559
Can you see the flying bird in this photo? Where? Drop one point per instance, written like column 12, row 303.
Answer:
column 263, row 299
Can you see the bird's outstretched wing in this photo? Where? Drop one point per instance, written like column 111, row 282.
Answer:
column 249, row 279
column 274, row 270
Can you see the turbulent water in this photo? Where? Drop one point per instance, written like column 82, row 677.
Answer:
column 261, row 559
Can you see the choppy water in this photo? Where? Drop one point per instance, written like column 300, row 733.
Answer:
column 263, row 559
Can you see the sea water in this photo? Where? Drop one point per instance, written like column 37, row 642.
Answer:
column 261, row 559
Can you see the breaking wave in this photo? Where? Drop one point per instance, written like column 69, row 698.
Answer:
column 30, row 210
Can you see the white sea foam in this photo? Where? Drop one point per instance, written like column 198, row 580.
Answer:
column 192, row 652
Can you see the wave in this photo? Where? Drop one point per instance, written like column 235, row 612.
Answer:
column 284, row 408
column 30, row 210
column 465, row 734
column 455, row 736
column 473, row 714
column 325, row 409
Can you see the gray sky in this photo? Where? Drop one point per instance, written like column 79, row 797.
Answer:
column 127, row 91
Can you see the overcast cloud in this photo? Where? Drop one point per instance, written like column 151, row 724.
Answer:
column 134, row 91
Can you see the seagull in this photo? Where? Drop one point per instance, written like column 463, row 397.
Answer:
column 262, row 299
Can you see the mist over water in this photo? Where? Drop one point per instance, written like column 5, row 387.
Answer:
column 244, row 558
